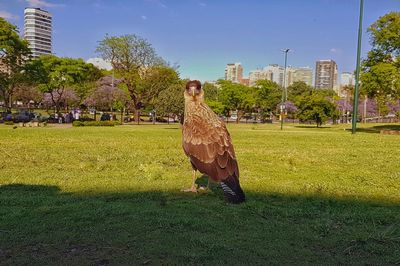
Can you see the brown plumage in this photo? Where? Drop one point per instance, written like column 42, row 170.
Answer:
column 207, row 143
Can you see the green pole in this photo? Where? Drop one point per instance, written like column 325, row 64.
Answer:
column 357, row 85
column 284, row 92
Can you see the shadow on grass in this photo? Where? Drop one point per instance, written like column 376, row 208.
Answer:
column 43, row 225
column 377, row 129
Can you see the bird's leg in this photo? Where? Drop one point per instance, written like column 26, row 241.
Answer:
column 193, row 188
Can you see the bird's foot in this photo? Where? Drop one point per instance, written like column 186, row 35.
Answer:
column 192, row 189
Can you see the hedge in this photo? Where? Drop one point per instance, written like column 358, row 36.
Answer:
column 95, row 123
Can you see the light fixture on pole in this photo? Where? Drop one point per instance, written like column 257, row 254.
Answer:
column 357, row 85
column 284, row 89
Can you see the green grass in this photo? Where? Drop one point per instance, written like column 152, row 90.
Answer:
column 96, row 196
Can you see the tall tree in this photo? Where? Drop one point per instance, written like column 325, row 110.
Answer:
column 381, row 69
column 14, row 53
column 236, row 97
column 170, row 101
column 268, row 95
column 131, row 58
column 53, row 75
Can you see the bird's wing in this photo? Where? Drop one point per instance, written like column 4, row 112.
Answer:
column 208, row 144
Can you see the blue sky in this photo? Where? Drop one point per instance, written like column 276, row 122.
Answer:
column 203, row 35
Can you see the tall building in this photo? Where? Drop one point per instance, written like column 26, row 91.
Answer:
column 38, row 30
column 234, row 72
column 275, row 72
column 299, row 74
column 326, row 75
column 347, row 79
column 255, row 75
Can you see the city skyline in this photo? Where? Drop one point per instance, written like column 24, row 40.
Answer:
column 202, row 46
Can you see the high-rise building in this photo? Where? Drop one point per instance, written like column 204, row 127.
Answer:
column 347, row 79
column 326, row 75
column 299, row 74
column 38, row 30
column 275, row 72
column 255, row 75
column 234, row 72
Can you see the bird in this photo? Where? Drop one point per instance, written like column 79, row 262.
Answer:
column 207, row 143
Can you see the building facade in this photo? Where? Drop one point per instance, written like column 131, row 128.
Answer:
column 275, row 73
column 304, row 74
column 347, row 79
column 38, row 31
column 326, row 75
column 234, row 72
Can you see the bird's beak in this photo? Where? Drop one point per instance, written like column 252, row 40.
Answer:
column 193, row 93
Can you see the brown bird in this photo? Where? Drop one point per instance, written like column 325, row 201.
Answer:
column 207, row 143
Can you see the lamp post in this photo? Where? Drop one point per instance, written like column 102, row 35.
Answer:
column 284, row 90
column 357, row 85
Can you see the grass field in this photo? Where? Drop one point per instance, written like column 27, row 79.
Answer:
column 97, row 196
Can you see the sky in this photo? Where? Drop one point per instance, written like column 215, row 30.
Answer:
column 202, row 36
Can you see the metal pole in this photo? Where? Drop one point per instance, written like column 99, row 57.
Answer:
column 355, row 105
column 284, row 92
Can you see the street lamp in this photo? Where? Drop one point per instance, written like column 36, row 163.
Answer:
column 284, row 90
column 355, row 105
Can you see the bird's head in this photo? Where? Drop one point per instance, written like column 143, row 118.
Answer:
column 193, row 90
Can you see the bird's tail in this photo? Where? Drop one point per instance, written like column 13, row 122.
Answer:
column 232, row 191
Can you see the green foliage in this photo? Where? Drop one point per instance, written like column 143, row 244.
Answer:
column 14, row 53
column 236, row 97
column 316, row 107
column 297, row 89
column 218, row 107
column 136, row 62
column 380, row 75
column 268, row 95
column 53, row 75
column 95, row 123
column 385, row 33
column 170, row 100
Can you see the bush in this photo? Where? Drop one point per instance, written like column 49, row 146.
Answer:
column 9, row 123
column 95, row 123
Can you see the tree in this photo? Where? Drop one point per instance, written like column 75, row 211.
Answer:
column 298, row 88
column 212, row 95
column 268, row 95
column 131, row 58
column 156, row 80
column 171, row 101
column 315, row 107
column 380, row 75
column 27, row 94
column 14, row 53
column 67, row 98
column 53, row 75
column 106, row 96
column 236, row 97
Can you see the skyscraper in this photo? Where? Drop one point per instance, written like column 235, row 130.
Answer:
column 38, row 30
column 234, row 72
column 326, row 75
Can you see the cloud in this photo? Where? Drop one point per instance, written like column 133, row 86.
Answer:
column 8, row 15
column 157, row 2
column 335, row 50
column 42, row 3
column 100, row 63
column 144, row 17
